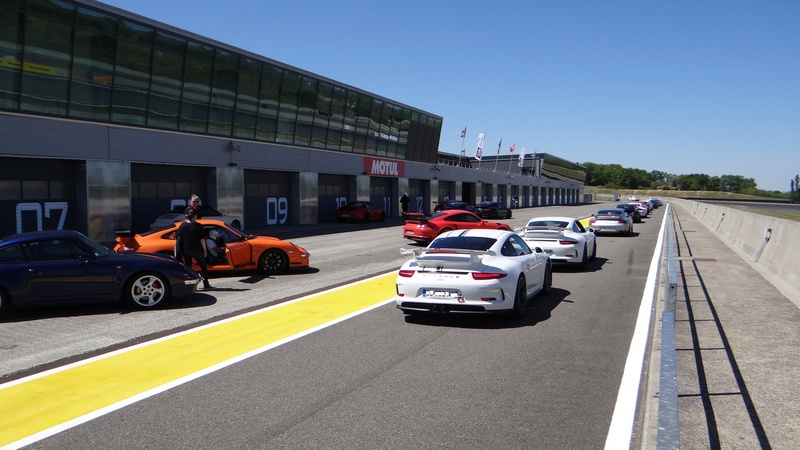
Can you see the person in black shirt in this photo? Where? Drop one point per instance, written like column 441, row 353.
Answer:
column 190, row 234
column 404, row 201
column 194, row 203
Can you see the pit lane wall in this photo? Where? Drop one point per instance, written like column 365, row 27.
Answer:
column 769, row 244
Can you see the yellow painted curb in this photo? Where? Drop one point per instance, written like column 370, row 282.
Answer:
column 38, row 403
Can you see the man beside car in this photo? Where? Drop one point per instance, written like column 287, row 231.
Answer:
column 194, row 203
column 190, row 233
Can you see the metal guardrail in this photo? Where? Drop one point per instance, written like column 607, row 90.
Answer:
column 668, row 435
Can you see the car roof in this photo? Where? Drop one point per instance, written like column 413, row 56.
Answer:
column 559, row 218
column 477, row 232
column 34, row 235
column 450, row 212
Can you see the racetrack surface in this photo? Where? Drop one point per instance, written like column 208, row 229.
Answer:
column 375, row 380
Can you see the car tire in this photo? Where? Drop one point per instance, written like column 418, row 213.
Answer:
column 366, row 218
column 146, row 290
column 237, row 225
column 5, row 302
column 630, row 231
column 509, row 214
column 520, row 299
column 383, row 217
column 273, row 260
column 584, row 258
column 548, row 279
column 444, row 231
column 594, row 251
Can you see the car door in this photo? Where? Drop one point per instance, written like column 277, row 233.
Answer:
column 532, row 265
column 465, row 220
column 238, row 251
column 59, row 269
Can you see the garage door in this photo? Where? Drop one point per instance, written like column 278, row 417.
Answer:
column 38, row 194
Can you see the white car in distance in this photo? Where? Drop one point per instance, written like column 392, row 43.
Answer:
column 565, row 239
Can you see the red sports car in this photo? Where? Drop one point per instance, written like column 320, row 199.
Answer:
column 424, row 228
column 360, row 212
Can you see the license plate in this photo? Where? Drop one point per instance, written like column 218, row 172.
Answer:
column 409, row 232
column 345, row 215
column 440, row 293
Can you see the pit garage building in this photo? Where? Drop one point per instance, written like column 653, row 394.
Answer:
column 110, row 119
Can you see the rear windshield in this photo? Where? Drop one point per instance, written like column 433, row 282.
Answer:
column 608, row 212
column 463, row 243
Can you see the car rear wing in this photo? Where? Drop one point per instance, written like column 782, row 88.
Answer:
column 415, row 217
column 126, row 233
column 448, row 258
column 535, row 233
column 126, row 238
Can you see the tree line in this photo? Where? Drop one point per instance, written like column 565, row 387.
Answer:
column 614, row 176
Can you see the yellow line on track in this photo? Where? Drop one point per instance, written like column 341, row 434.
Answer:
column 43, row 402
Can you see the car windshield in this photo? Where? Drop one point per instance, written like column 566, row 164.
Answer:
column 463, row 243
column 95, row 248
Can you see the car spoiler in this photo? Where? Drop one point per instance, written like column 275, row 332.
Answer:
column 415, row 217
column 448, row 257
column 542, row 232
column 126, row 233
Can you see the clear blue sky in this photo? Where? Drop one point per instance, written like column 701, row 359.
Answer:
column 677, row 86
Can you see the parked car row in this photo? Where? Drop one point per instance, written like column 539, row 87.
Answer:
column 486, row 210
column 480, row 267
column 45, row 268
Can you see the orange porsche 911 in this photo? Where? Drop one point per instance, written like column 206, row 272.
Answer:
column 242, row 251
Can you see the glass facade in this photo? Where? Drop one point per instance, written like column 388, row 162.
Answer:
column 77, row 60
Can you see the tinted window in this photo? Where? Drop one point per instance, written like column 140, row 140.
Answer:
column 50, row 250
column 11, row 254
column 463, row 243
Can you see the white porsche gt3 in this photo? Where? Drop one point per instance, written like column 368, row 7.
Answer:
column 565, row 239
column 473, row 271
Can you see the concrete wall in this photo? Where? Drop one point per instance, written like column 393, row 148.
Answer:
column 769, row 244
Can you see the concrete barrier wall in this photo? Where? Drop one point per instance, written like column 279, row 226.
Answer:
column 776, row 258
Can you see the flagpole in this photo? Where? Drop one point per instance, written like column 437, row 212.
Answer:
column 510, row 160
column 498, row 154
column 463, row 136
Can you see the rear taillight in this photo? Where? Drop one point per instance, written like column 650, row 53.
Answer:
column 567, row 242
column 406, row 273
column 487, row 276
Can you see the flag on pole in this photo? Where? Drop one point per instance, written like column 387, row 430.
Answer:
column 499, row 145
column 464, row 132
column 479, row 151
column 521, row 157
column 512, row 147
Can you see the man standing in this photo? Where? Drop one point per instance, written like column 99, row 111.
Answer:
column 194, row 203
column 190, row 234
column 404, row 201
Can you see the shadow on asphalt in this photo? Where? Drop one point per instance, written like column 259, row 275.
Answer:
column 26, row 314
column 540, row 309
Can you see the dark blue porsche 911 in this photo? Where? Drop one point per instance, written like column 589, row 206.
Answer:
column 59, row 267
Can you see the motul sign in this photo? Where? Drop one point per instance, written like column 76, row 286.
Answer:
column 383, row 167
